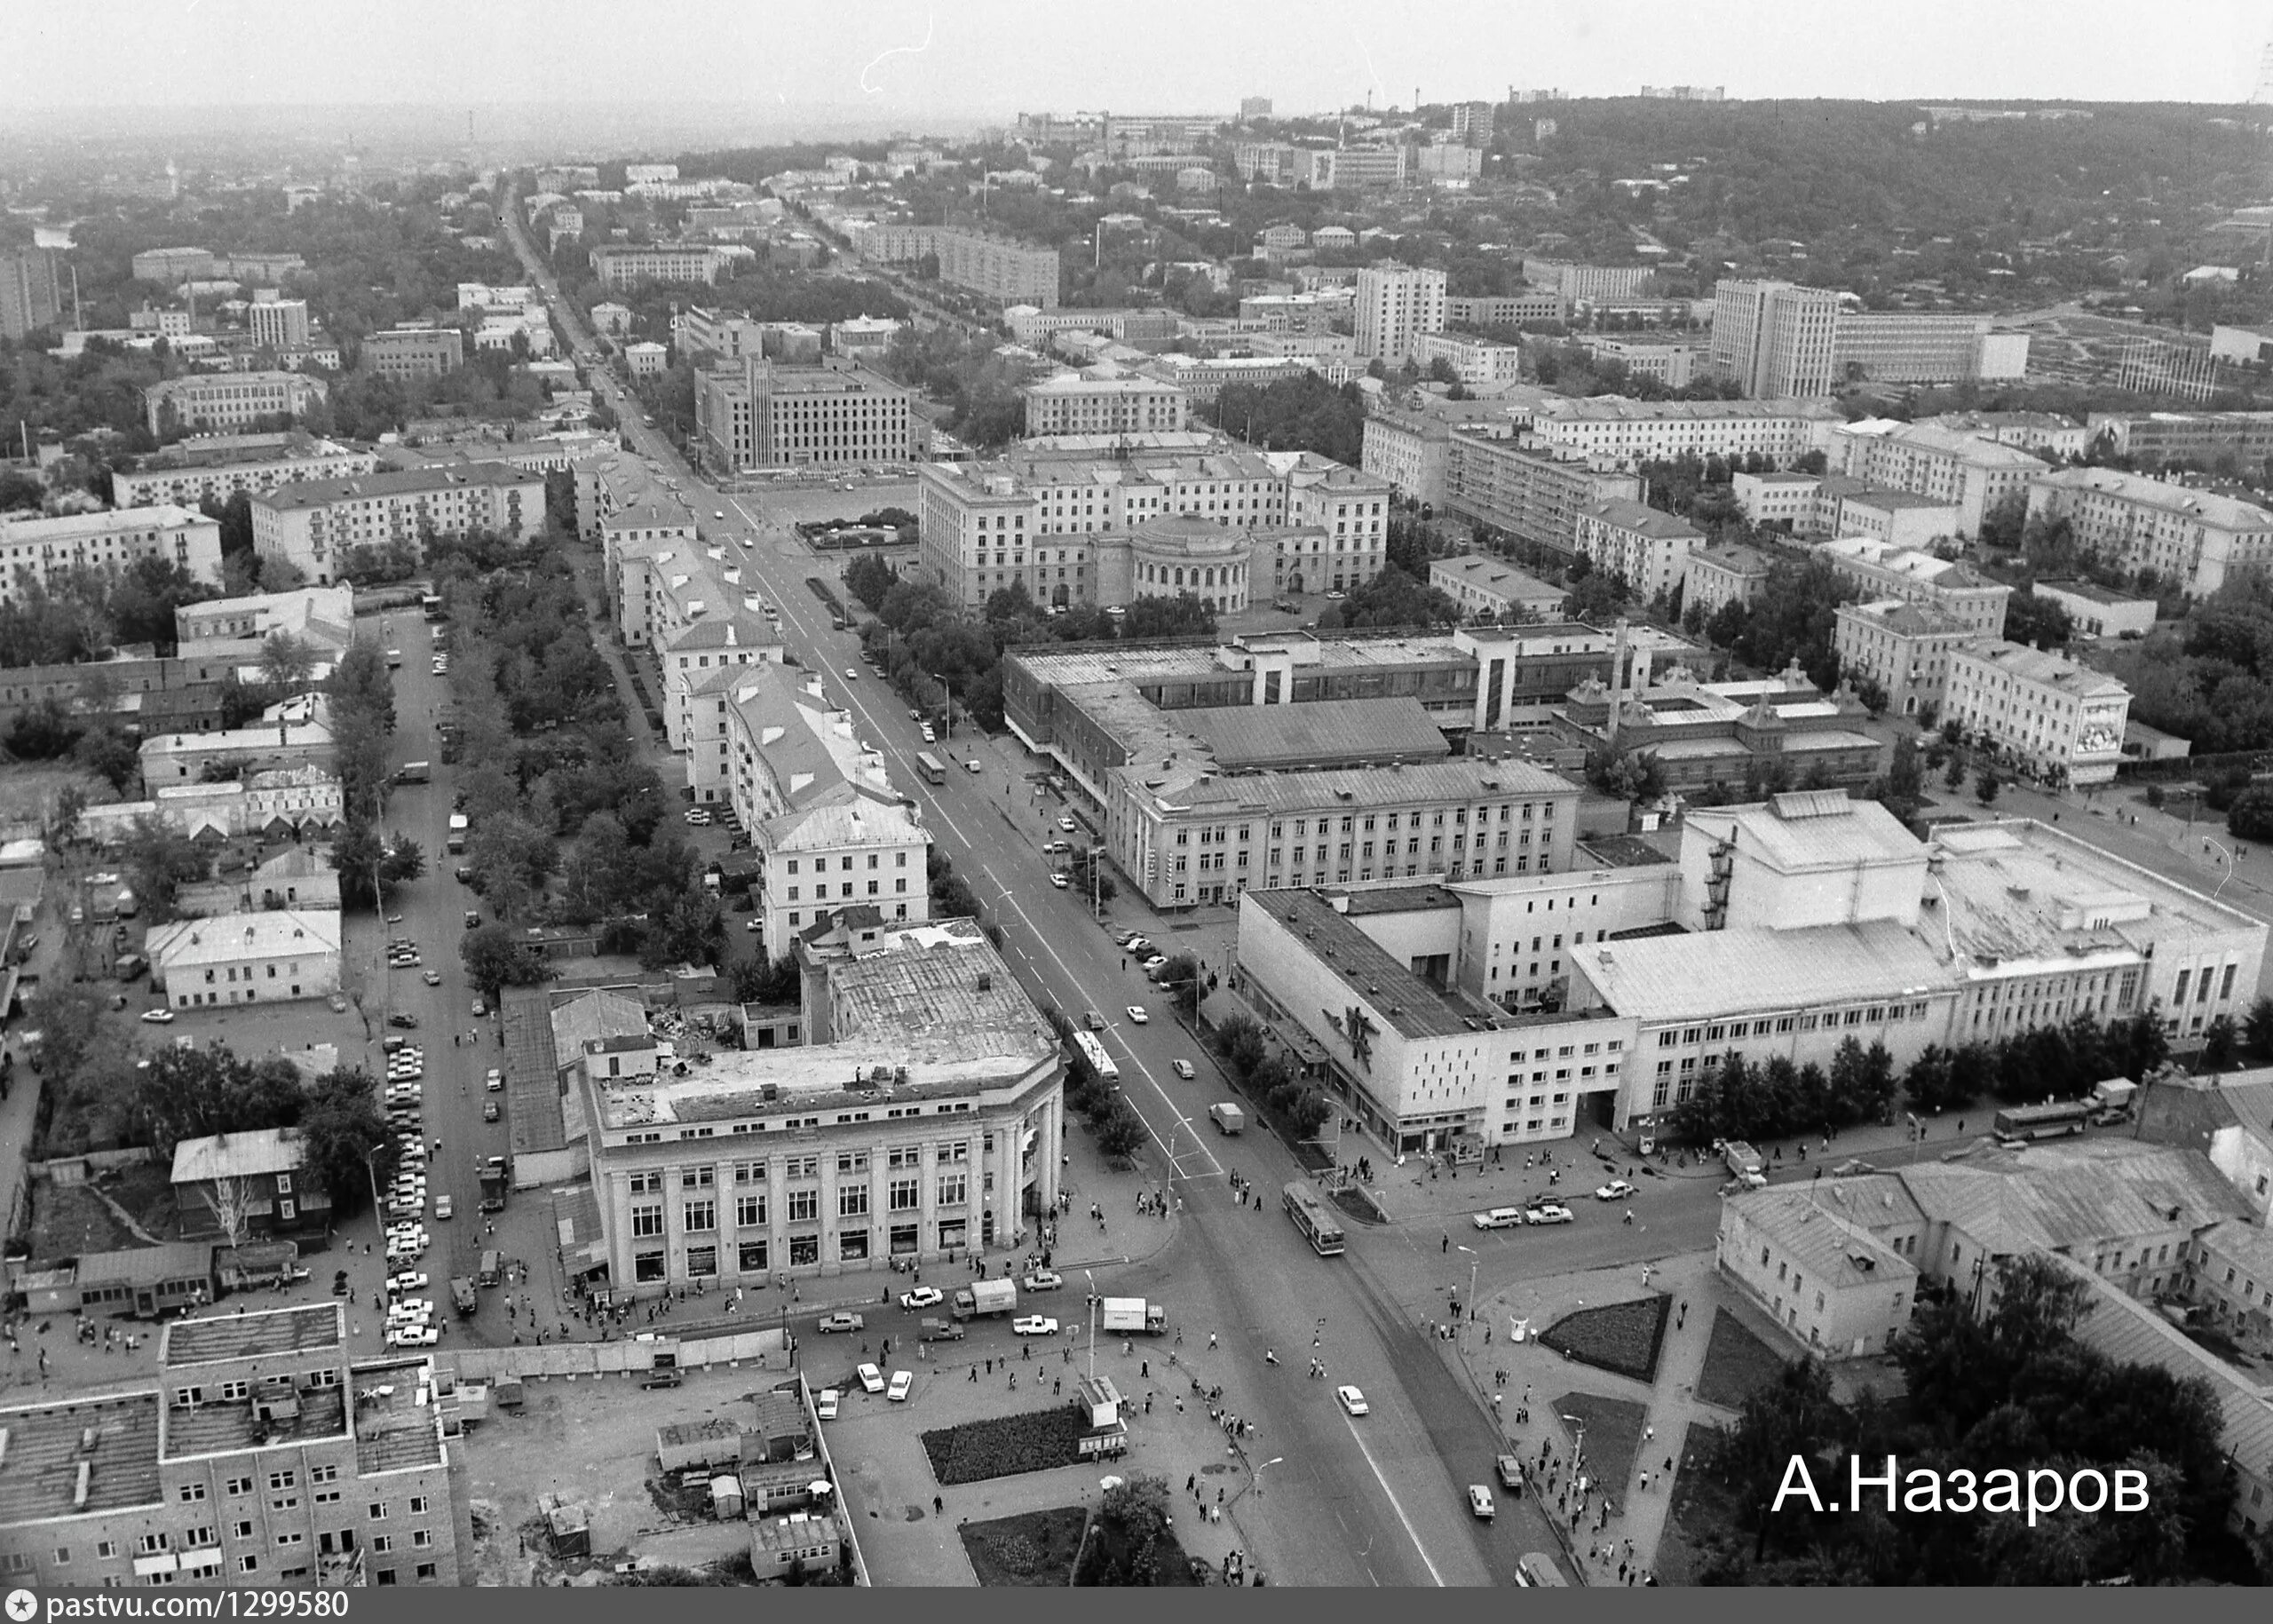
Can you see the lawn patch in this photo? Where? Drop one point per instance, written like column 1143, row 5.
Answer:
column 1613, row 1439
column 1701, row 1526
column 71, row 1221
column 1034, row 1548
column 1737, row 1363
column 1622, row 1338
column 1005, row 1445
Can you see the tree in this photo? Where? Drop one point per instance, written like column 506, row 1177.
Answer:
column 1120, row 1132
column 2251, row 817
column 1182, row 975
column 230, row 1201
column 349, row 1142
column 158, row 861
column 1985, row 786
column 494, row 959
column 2221, row 1044
column 110, row 755
column 870, row 579
column 286, row 665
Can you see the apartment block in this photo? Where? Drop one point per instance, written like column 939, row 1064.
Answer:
column 1006, row 271
column 1487, row 587
column 721, row 643
column 1203, row 380
column 414, row 351
column 2043, row 713
column 262, row 1454
column 313, row 524
column 1349, row 169
column 1591, row 284
column 1721, row 575
column 1775, row 339
column 1637, row 431
column 707, row 337
column 1971, row 474
column 623, row 267
column 50, row 551
column 1958, row 591
column 2197, row 439
column 29, row 296
column 191, row 472
column 1533, row 494
column 1071, row 403
column 1648, row 548
column 1396, row 307
column 1913, row 346
column 1504, row 310
column 274, row 956
column 1776, row 498
column 1906, row 648
column 2196, row 541
column 278, row 324
column 219, row 402
column 1477, row 361
column 772, row 415
column 2098, row 613
column 1033, row 326
column 1673, row 361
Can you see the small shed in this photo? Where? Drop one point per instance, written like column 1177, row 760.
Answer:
column 566, row 1526
column 725, row 1497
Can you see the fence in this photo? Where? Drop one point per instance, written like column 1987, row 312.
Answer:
column 79, row 1170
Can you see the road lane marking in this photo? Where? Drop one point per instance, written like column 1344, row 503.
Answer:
column 1395, row 1504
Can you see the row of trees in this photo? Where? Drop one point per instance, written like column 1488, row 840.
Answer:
column 88, row 610
column 2004, row 1387
column 1261, row 1074
column 2210, row 680
column 1774, row 1099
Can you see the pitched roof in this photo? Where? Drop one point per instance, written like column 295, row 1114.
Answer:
column 238, row 937
column 239, row 1155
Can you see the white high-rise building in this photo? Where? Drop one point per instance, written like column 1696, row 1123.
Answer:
column 1397, row 306
column 1775, row 339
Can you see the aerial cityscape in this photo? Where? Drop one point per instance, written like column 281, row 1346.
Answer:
column 1668, row 685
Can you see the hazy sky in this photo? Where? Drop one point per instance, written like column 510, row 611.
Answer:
column 886, row 58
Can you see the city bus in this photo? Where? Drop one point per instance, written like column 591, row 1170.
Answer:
column 934, row 770
column 2021, row 1122
column 1094, row 1052
column 1314, row 1218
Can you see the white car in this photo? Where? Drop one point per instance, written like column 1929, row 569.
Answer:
column 852, row 674
column 1616, row 1190
column 494, row 1082
column 901, row 1381
column 1058, row 879
column 433, row 978
column 1044, row 1279
column 406, row 1282
column 1182, row 1068
column 872, row 1380
column 922, row 1296
column 442, row 1207
column 1152, row 962
column 825, row 1403
column 1547, row 1212
column 1034, row 1325
column 158, row 1017
column 1066, row 824
column 1352, row 1401
column 1136, row 1015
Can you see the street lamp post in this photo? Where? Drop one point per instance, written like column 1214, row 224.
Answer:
column 1472, row 1261
column 1265, row 1467
column 1092, row 1279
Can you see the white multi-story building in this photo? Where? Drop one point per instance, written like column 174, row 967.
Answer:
column 832, row 832
column 191, row 758
column 1775, row 339
column 621, row 266
column 2194, row 540
column 769, row 415
column 219, row 402
column 278, row 324
column 270, row 957
column 698, row 652
column 194, row 472
column 1906, row 648
column 1648, row 548
column 1630, row 433
column 313, row 524
column 49, row 551
column 1477, row 361
column 1488, row 586
column 1397, row 306
column 1350, row 168
column 1070, row 403
column 922, row 1117
column 1671, row 360
column 1971, row 474
column 1594, row 283
column 1955, row 590
column 1721, row 575
column 2061, row 721
column 414, row 351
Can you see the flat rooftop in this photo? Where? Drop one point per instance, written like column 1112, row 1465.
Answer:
column 397, row 1424
column 1243, row 737
column 250, row 1335
column 114, row 1436
column 1415, row 1007
column 1732, row 973
column 217, row 1427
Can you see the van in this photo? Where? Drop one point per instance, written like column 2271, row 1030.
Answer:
column 492, row 1268
column 971, row 765
column 1538, row 1569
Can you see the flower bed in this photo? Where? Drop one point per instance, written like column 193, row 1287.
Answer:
column 1005, row 1445
column 1622, row 1338
column 1736, row 1363
column 1034, row 1548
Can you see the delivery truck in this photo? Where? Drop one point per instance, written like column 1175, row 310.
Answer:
column 462, row 1294
column 1126, row 1316
column 939, row 1330
column 1745, row 1163
column 1229, row 1118
column 986, row 1298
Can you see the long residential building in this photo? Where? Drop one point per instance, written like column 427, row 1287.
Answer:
column 193, row 471
column 922, row 1119
column 1631, row 432
column 1914, row 346
column 261, row 1454
column 221, row 401
column 414, row 351
column 1007, row 272
column 623, row 267
column 1606, row 995
column 314, row 524
column 1089, row 529
column 50, row 551
column 2198, row 439
column 1969, row 473
column 1504, row 310
column 765, row 415
column 1958, row 591
column 29, row 293
column 2058, row 721
column 2194, row 540
column 1070, row 403
column 1535, row 494
column 833, row 834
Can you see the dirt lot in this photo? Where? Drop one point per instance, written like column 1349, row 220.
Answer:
column 594, row 1444
column 27, row 789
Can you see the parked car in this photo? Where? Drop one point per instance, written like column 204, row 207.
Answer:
column 840, row 1322
column 493, row 1081
column 1044, row 1279
column 158, row 1017
column 489, row 1111
column 825, row 1403
column 901, row 1381
column 479, row 1008
column 872, row 1380
column 1059, row 881
column 433, row 978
